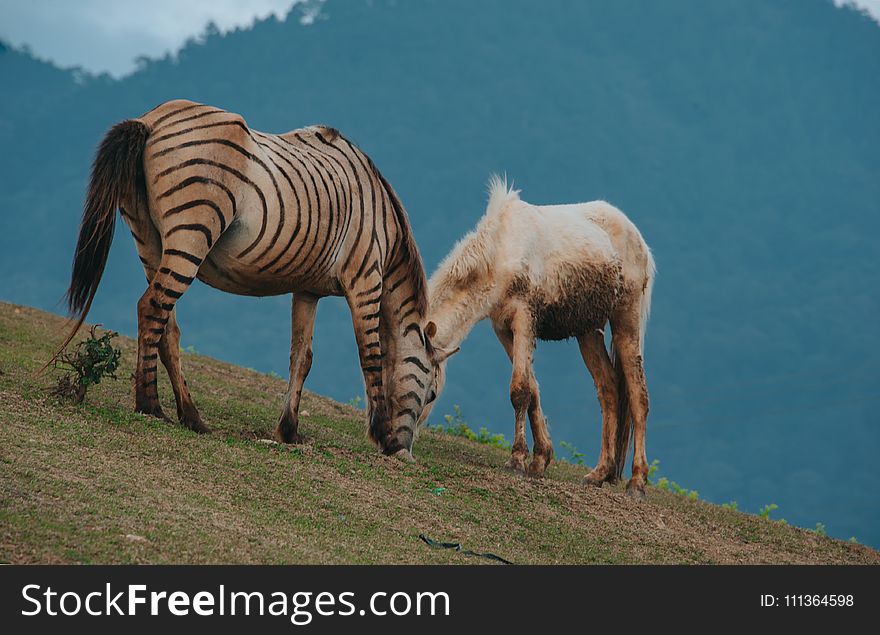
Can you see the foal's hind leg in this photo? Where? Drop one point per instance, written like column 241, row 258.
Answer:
column 625, row 332
column 596, row 358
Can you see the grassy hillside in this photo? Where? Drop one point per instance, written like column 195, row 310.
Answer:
column 740, row 136
column 98, row 483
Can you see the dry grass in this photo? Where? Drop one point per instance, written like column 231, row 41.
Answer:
column 98, row 483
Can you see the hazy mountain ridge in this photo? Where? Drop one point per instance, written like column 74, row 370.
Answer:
column 741, row 137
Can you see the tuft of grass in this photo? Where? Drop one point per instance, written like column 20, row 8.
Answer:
column 732, row 505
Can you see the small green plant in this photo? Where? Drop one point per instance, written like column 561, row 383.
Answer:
column 820, row 529
column 457, row 426
column 764, row 512
column 575, row 457
column 732, row 505
column 652, row 469
column 274, row 375
column 682, row 491
column 355, row 402
column 189, row 349
column 853, row 540
column 663, row 483
column 93, row 359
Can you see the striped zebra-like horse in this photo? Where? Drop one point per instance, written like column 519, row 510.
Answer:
column 305, row 212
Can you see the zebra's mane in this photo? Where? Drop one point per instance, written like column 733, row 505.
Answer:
column 408, row 250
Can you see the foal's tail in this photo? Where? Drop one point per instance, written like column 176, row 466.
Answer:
column 117, row 181
column 624, row 418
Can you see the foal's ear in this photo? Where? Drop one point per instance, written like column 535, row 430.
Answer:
column 443, row 354
column 430, row 330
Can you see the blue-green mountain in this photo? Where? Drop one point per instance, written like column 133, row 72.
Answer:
column 741, row 136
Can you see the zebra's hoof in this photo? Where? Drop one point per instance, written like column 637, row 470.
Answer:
column 196, row 425
column 404, row 455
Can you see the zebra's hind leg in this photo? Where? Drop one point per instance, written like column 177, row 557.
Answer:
column 302, row 327
column 177, row 269
column 169, row 353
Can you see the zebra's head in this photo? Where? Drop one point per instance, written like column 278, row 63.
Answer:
column 414, row 384
column 437, row 378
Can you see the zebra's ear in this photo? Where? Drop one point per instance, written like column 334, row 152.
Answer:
column 430, row 330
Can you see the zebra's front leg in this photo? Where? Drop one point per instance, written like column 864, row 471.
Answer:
column 364, row 300
column 303, row 313
column 176, row 272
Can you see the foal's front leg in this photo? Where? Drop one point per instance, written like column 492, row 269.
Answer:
column 520, row 452
column 518, row 340
column 303, row 312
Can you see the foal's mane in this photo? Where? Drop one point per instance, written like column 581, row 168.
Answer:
column 474, row 253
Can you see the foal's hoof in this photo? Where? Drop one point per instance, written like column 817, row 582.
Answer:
column 599, row 476
column 594, row 479
column 537, row 467
column 517, row 463
column 404, row 455
column 635, row 490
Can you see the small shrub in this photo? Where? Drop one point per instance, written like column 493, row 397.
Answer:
column 652, row 469
column 820, row 529
column 93, row 359
column 355, row 402
column 764, row 512
column 683, row 491
column 732, row 505
column 575, row 457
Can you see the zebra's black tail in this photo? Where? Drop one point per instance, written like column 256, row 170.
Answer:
column 117, row 181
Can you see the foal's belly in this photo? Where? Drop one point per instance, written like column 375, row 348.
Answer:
column 580, row 300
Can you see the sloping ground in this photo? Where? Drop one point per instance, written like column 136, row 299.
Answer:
column 98, row 483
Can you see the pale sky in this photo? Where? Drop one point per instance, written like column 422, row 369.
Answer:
column 107, row 35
